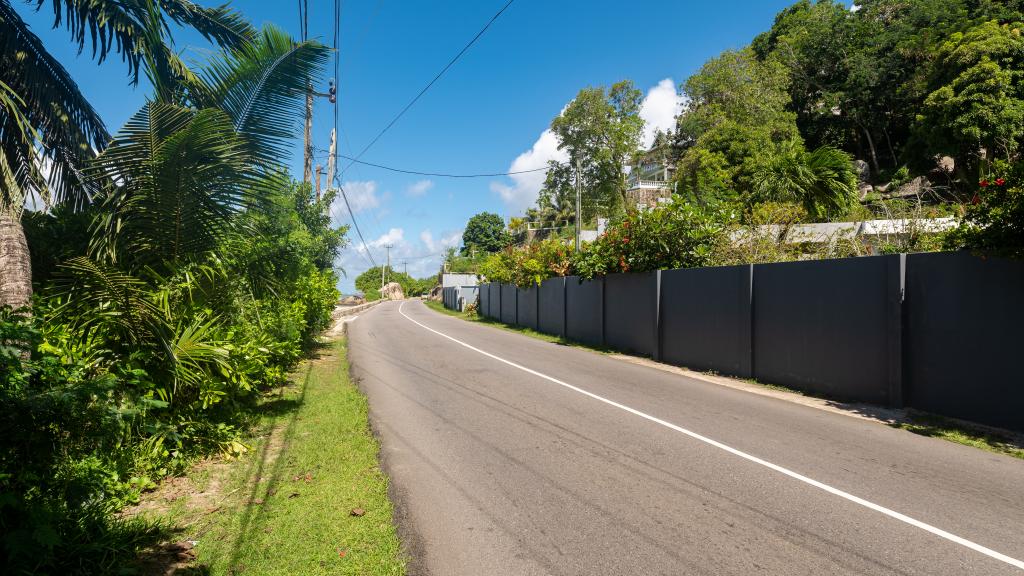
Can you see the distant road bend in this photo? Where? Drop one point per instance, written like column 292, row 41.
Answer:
column 513, row 456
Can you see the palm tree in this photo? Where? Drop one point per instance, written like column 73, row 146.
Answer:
column 176, row 175
column 49, row 131
column 822, row 180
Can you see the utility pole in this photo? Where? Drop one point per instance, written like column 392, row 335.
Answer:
column 579, row 194
column 332, row 151
column 405, row 267
column 319, row 172
column 387, row 247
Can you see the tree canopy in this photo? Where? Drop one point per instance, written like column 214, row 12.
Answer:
column 485, row 232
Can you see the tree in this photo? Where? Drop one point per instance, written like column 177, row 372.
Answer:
column 484, row 232
column 177, row 173
column 976, row 111
column 737, row 112
column 46, row 121
column 600, row 130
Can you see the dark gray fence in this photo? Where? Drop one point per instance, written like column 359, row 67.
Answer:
column 963, row 339
column 508, row 303
column 822, row 326
column 631, row 312
column 705, row 319
column 939, row 332
column 526, row 307
column 551, row 308
column 584, row 310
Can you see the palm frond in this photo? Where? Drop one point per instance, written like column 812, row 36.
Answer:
column 95, row 295
column 123, row 27
column 262, row 88
column 176, row 177
column 68, row 129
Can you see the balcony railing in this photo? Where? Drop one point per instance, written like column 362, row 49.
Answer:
column 649, row 184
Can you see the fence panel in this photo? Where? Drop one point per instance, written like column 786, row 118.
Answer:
column 822, row 327
column 508, row 303
column 631, row 312
column 495, row 312
column 963, row 337
column 584, row 312
column 526, row 307
column 706, row 319
column 551, row 312
column 485, row 299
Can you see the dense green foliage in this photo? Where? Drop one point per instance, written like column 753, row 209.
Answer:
column 485, row 232
column 895, row 110
column 191, row 277
column 369, row 282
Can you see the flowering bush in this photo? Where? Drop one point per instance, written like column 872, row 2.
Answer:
column 677, row 235
column 994, row 220
column 530, row 264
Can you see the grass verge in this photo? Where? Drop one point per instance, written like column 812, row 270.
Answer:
column 962, row 433
column 920, row 423
column 309, row 498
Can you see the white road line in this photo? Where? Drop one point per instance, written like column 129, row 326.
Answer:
column 821, row 485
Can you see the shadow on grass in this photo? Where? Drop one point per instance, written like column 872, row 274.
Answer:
column 269, row 465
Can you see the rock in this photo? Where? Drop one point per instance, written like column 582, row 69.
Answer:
column 913, row 188
column 435, row 293
column 358, row 512
column 864, row 189
column 392, row 291
column 882, row 188
column 862, row 169
column 946, row 164
column 352, row 301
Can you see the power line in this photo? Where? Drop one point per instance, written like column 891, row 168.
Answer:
column 352, row 215
column 431, row 83
column 353, row 160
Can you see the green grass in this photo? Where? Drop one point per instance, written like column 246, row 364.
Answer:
column 287, row 507
column 938, row 427
column 473, row 317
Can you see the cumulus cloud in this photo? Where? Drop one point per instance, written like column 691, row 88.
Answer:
column 362, row 195
column 419, row 188
column 420, row 257
column 522, row 193
column 659, row 109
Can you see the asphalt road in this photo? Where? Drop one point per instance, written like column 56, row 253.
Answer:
column 524, row 457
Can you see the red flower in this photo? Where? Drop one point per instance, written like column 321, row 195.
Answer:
column 983, row 183
column 625, row 240
column 1000, row 181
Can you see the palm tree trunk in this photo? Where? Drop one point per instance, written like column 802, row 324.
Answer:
column 15, row 264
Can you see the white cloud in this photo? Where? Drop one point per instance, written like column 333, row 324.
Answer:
column 419, row 188
column 439, row 245
column 362, row 195
column 660, row 108
column 419, row 258
column 392, row 236
column 428, row 240
column 524, row 189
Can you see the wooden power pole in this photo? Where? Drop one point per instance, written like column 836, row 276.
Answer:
column 330, row 158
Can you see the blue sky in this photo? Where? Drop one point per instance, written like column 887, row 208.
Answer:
column 489, row 112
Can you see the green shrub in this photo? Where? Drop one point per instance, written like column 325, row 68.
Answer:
column 677, row 235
